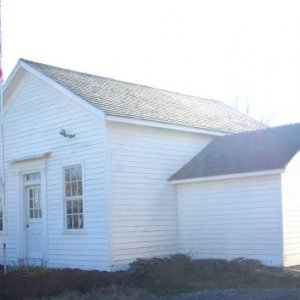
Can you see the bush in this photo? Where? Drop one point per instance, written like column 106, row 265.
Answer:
column 179, row 273
column 170, row 275
column 163, row 275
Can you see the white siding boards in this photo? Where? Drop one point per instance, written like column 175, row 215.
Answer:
column 119, row 204
column 43, row 112
column 291, row 211
column 143, row 203
column 232, row 218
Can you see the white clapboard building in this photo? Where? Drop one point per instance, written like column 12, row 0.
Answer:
column 100, row 172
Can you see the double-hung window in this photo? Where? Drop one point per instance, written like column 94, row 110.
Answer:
column 73, row 197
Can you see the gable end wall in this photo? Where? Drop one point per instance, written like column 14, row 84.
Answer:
column 33, row 120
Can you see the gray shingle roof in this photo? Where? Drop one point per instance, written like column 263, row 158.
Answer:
column 124, row 99
column 259, row 150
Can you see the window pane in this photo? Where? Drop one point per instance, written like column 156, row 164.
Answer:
column 69, row 207
column 79, row 188
column 81, row 221
column 79, row 173
column 1, row 224
column 75, row 219
column 34, row 206
column 74, row 214
column 68, row 189
column 36, row 203
column 75, row 206
column 69, row 222
column 38, row 194
column 80, row 207
column 67, row 174
column 74, row 189
column 33, row 177
column 73, row 173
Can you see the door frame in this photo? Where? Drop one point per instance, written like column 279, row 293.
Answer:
column 23, row 212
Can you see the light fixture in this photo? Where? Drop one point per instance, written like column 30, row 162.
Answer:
column 64, row 133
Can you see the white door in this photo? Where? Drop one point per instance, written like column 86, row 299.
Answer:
column 34, row 229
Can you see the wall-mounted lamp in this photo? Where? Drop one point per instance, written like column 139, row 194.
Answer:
column 64, row 133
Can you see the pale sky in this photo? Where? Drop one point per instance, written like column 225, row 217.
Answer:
column 216, row 49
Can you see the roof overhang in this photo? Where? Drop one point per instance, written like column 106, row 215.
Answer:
column 14, row 77
column 21, row 68
column 227, row 176
column 133, row 121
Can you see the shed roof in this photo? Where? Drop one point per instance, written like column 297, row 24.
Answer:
column 260, row 150
column 124, row 99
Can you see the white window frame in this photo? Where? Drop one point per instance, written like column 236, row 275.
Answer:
column 34, row 212
column 73, row 198
column 31, row 183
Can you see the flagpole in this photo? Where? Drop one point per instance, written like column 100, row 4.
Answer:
column 2, row 158
column 3, row 183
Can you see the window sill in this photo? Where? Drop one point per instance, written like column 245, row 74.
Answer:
column 74, row 232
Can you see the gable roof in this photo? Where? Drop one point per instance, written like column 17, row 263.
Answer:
column 122, row 99
column 260, row 150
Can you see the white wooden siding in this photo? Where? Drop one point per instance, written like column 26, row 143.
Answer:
column 232, row 218
column 35, row 115
column 291, row 212
column 144, row 205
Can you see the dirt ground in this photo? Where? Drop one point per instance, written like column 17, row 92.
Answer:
column 32, row 283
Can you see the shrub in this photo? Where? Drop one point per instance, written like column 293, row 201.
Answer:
column 171, row 274
column 179, row 273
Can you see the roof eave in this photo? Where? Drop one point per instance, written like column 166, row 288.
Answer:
column 227, row 176
column 157, row 124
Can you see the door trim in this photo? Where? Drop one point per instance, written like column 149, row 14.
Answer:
column 22, row 253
